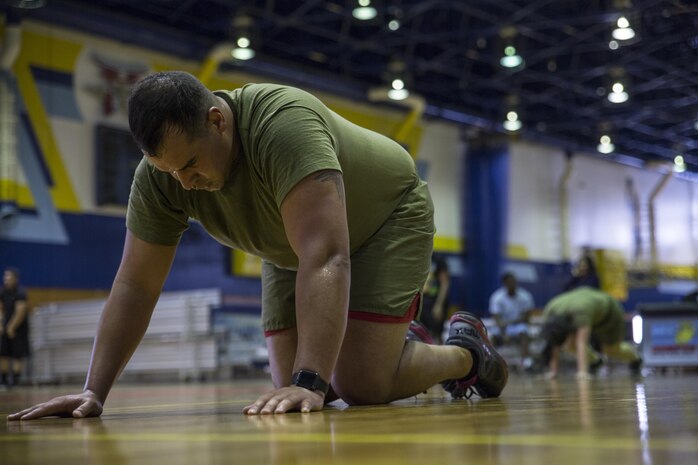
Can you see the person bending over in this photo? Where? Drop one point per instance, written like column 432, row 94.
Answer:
column 572, row 318
column 340, row 218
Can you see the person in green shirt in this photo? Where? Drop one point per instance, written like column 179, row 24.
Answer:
column 574, row 317
column 337, row 213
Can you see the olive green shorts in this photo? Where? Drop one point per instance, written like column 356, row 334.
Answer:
column 387, row 271
column 612, row 329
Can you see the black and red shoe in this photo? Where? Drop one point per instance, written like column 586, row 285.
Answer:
column 489, row 374
column 418, row 332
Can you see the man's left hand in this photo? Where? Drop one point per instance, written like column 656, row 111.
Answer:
column 11, row 333
column 290, row 398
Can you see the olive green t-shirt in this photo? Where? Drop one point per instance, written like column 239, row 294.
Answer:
column 588, row 306
column 285, row 135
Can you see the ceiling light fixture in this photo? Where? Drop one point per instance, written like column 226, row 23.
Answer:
column 364, row 11
column 396, row 78
column 394, row 15
column 623, row 31
column 605, row 145
column 618, row 93
column 679, row 164
column 242, row 47
column 397, row 90
column 511, row 59
column 512, row 123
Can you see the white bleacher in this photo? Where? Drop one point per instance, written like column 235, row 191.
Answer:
column 179, row 340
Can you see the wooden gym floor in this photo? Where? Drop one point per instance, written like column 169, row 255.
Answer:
column 611, row 421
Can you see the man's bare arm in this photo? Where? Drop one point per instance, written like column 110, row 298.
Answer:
column 125, row 318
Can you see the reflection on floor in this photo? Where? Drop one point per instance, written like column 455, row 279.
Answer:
column 615, row 421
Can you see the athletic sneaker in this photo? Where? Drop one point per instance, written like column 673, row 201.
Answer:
column 596, row 366
column 489, row 373
column 418, row 332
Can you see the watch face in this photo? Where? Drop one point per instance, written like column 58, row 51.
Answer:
column 310, row 380
column 306, row 379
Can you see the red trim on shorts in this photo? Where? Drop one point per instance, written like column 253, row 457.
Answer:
column 274, row 331
column 378, row 318
column 374, row 317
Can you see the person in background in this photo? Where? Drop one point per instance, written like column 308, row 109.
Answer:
column 435, row 295
column 14, row 329
column 510, row 306
column 584, row 274
column 337, row 213
column 573, row 317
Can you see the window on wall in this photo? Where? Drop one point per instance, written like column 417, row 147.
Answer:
column 117, row 158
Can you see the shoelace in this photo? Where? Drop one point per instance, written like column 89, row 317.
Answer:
column 467, row 393
column 461, row 388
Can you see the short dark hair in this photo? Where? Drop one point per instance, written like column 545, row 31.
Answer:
column 590, row 263
column 507, row 275
column 169, row 100
column 556, row 329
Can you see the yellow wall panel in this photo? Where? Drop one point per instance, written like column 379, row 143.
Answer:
column 517, row 252
column 56, row 55
column 245, row 265
column 20, row 194
column 448, row 244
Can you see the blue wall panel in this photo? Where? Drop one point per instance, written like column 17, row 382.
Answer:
column 485, row 222
column 88, row 261
column 92, row 256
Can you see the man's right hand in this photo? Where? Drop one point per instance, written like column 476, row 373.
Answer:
column 83, row 405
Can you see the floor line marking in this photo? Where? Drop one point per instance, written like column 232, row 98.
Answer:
column 555, row 441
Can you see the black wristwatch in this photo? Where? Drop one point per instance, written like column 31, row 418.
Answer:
column 310, row 380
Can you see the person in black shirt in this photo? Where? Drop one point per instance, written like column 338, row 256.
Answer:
column 584, row 275
column 435, row 298
column 14, row 328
